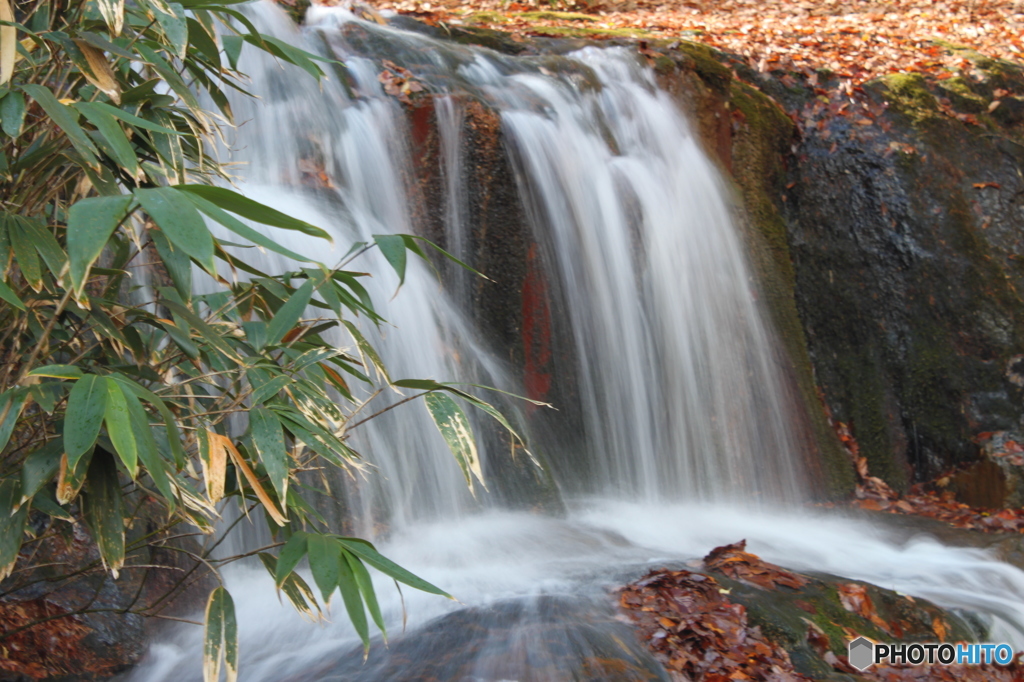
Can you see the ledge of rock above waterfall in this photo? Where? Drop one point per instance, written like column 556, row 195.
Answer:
column 882, row 230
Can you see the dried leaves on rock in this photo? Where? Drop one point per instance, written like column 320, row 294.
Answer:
column 694, row 631
column 735, row 562
column 857, row 40
column 874, row 494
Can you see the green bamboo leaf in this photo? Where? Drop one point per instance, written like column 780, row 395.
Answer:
column 57, row 372
column 349, row 587
column 289, row 53
column 119, row 426
column 132, row 119
column 111, row 131
column 290, row 556
column 177, row 262
column 181, row 222
column 392, row 246
column 241, row 229
column 220, row 637
column 39, row 468
column 103, row 510
column 11, row 404
column 175, row 27
column 170, row 422
column 365, row 585
column 148, row 453
column 25, row 253
column 167, row 72
column 12, row 525
column 252, row 210
column 67, row 119
column 86, row 405
column 268, row 437
column 90, row 223
column 7, row 294
column 43, row 241
column 325, row 563
column 366, row 551
column 12, row 113
column 204, row 42
column 451, row 421
column 287, row 316
column 233, row 48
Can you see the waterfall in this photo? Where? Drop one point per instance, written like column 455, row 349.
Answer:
column 677, row 378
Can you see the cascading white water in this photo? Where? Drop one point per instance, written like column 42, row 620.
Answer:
column 678, row 380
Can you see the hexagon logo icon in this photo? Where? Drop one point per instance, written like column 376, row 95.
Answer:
column 861, row 653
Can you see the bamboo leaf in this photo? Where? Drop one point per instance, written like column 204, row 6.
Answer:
column 132, row 119
column 57, row 372
column 253, row 210
column 175, row 27
column 111, row 131
column 350, row 589
column 297, row 591
column 220, row 637
column 39, row 468
column 268, row 437
column 181, row 222
column 7, row 294
column 113, row 14
column 365, row 551
column 71, row 479
column 119, row 426
column 103, row 510
column 86, row 405
column 365, row 585
column 12, row 525
column 290, row 556
column 367, row 350
column 11, row 404
column 90, row 223
column 214, row 457
column 287, row 316
column 325, row 563
column 451, row 421
column 12, row 113
column 177, row 262
column 67, row 119
column 8, row 43
column 241, row 229
column 261, row 494
column 393, row 248
column 99, row 72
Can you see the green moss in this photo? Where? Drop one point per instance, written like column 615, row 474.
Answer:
column 909, row 94
column 484, row 18
column 708, row 65
column 555, row 16
column 584, row 32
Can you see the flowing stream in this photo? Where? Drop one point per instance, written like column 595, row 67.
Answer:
column 687, row 439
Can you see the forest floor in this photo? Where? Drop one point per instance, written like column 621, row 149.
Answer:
column 855, row 39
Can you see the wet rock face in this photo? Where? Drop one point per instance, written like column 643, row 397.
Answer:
column 68, row 619
column 905, row 236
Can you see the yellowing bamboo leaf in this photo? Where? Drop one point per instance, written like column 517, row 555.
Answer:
column 250, row 476
column 215, row 461
column 220, row 641
column 8, row 43
column 102, row 76
column 113, row 14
